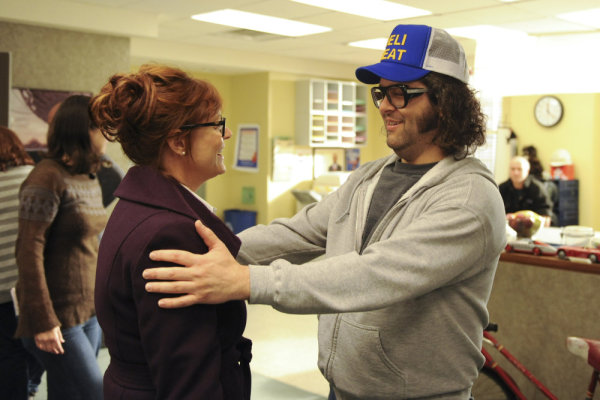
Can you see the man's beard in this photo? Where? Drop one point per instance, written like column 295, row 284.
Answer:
column 428, row 122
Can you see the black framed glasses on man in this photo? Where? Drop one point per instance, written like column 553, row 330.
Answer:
column 220, row 123
column 397, row 95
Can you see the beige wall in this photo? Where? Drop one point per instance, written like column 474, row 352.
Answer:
column 46, row 58
column 578, row 132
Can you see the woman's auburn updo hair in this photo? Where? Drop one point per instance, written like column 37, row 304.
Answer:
column 141, row 110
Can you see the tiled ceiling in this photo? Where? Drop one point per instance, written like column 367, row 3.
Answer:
column 156, row 26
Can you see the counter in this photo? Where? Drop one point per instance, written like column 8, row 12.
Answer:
column 551, row 262
column 537, row 301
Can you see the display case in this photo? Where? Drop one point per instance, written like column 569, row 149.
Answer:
column 331, row 113
column 567, row 205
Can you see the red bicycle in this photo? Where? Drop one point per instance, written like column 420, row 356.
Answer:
column 495, row 383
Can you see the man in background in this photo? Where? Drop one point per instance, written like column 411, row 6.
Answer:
column 523, row 192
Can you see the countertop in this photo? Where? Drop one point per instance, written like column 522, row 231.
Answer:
column 550, row 262
column 552, row 236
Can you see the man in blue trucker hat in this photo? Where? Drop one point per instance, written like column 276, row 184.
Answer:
column 409, row 244
column 413, row 51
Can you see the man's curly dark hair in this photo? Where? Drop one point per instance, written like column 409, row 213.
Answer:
column 461, row 122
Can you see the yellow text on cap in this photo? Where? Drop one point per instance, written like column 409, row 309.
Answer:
column 393, row 40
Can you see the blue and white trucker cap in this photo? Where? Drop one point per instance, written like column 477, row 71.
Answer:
column 412, row 51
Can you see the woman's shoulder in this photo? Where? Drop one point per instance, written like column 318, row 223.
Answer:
column 47, row 173
column 20, row 170
column 155, row 224
column 49, row 166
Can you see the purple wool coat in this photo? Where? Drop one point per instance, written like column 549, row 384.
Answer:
column 196, row 352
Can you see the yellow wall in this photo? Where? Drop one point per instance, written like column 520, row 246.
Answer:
column 268, row 100
column 376, row 140
column 281, row 202
column 593, row 197
column 578, row 132
column 247, row 103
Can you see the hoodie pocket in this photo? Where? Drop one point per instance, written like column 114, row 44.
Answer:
column 360, row 364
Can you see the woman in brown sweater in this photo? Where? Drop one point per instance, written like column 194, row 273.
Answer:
column 60, row 218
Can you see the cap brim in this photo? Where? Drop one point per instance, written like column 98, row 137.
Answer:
column 371, row 74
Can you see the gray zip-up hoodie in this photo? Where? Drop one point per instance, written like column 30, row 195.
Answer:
column 404, row 319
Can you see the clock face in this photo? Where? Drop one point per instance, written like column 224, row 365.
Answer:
column 548, row 111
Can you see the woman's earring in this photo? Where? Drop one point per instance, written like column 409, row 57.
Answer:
column 183, row 153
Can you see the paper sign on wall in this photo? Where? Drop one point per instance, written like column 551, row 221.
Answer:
column 246, row 149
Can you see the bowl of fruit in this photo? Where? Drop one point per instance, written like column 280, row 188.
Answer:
column 525, row 222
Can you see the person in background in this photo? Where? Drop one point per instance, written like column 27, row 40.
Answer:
column 109, row 174
column 170, row 125
column 60, row 218
column 521, row 191
column 411, row 242
column 15, row 165
column 537, row 171
column 334, row 165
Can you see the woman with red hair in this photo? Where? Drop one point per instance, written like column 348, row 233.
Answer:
column 171, row 126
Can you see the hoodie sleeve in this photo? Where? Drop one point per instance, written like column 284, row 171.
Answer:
column 454, row 235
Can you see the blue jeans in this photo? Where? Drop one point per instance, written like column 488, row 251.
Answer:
column 331, row 394
column 35, row 372
column 13, row 357
column 74, row 375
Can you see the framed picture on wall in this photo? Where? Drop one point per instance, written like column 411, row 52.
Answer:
column 328, row 160
column 352, row 159
column 28, row 114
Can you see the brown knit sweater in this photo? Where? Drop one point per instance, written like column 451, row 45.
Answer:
column 60, row 218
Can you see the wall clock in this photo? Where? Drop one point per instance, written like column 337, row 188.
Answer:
column 548, row 111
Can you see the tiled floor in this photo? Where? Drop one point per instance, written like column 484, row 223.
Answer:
column 284, row 363
column 284, row 349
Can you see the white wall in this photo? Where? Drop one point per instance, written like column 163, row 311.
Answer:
column 523, row 65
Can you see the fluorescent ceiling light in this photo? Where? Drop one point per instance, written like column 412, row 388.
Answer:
column 376, row 44
column 478, row 32
column 377, row 9
column 584, row 17
column 259, row 22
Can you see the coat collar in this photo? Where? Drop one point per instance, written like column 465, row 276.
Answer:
column 146, row 185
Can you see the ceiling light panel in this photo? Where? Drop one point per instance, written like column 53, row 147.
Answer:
column 478, row 32
column 375, row 44
column 260, row 22
column 546, row 25
column 589, row 18
column 376, row 9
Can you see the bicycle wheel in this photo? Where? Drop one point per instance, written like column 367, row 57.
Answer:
column 489, row 386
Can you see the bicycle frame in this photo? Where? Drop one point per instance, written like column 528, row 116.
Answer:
column 490, row 363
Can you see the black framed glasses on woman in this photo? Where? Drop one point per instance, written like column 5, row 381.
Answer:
column 397, row 95
column 220, row 124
